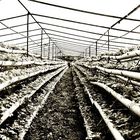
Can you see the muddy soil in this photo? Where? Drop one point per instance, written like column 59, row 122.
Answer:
column 60, row 119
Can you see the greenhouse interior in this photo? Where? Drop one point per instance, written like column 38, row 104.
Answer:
column 70, row 70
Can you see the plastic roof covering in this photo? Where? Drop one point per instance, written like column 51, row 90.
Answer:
column 70, row 41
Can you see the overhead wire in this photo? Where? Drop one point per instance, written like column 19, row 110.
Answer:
column 88, row 37
column 69, row 8
column 88, row 12
column 14, row 30
column 83, row 23
column 35, row 19
column 77, row 39
column 118, row 22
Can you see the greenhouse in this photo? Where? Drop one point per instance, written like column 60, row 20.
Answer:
column 70, row 70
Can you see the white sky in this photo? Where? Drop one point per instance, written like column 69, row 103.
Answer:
column 9, row 8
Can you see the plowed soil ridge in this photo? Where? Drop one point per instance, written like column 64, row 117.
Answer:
column 60, row 119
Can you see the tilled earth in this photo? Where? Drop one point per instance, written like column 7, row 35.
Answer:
column 60, row 119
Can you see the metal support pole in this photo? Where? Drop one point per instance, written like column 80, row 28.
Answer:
column 52, row 51
column 108, row 40
column 96, row 48
column 55, row 53
column 89, row 51
column 49, row 49
column 60, row 54
column 44, row 51
column 28, row 33
column 85, row 53
column 41, row 43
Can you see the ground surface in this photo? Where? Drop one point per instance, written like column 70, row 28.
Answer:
column 60, row 118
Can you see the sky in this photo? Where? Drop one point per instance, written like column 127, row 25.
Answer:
column 69, row 44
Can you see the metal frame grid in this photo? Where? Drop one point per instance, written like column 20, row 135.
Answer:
column 54, row 42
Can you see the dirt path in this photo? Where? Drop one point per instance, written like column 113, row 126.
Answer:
column 60, row 118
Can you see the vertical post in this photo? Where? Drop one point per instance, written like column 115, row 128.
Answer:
column 89, row 51
column 44, row 51
column 49, row 49
column 28, row 33
column 41, row 43
column 108, row 40
column 96, row 48
column 60, row 54
column 52, row 51
column 55, row 53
